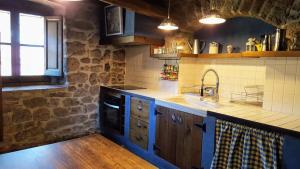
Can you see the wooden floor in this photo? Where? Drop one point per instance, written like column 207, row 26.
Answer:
column 90, row 152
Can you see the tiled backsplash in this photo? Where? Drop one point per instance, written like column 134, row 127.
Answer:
column 282, row 87
column 144, row 71
column 280, row 76
column 234, row 73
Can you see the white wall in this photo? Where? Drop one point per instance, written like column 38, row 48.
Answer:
column 144, row 71
column 282, row 87
column 280, row 77
column 234, row 73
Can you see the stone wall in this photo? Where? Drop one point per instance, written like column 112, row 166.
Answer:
column 42, row 116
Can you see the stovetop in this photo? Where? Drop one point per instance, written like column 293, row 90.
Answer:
column 127, row 87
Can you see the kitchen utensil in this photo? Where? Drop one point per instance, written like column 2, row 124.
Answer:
column 265, row 43
column 229, row 48
column 197, row 46
column 250, row 45
column 279, row 39
column 213, row 48
column 292, row 44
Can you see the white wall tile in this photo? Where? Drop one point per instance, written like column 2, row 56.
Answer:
column 280, row 76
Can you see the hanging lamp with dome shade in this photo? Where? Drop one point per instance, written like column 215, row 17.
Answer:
column 168, row 24
column 213, row 17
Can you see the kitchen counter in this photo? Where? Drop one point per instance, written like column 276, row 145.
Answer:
column 245, row 114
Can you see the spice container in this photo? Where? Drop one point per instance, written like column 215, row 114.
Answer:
column 169, row 72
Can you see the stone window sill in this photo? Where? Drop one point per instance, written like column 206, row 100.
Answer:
column 33, row 87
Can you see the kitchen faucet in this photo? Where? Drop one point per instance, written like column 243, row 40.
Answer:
column 212, row 91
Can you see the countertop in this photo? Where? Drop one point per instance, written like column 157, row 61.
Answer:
column 242, row 113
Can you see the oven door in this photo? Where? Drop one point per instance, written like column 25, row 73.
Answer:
column 112, row 113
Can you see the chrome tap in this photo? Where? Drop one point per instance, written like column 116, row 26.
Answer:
column 212, row 93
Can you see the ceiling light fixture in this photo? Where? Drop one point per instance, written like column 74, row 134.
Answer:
column 213, row 18
column 168, row 23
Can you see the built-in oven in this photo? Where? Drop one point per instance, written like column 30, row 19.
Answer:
column 112, row 110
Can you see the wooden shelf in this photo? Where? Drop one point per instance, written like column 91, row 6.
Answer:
column 166, row 56
column 272, row 54
column 220, row 55
column 245, row 54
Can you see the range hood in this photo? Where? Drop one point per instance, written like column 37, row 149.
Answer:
column 138, row 30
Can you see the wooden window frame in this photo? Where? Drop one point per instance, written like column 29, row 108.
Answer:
column 16, row 79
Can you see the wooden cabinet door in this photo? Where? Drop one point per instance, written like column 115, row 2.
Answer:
column 178, row 139
column 193, row 141
column 162, row 141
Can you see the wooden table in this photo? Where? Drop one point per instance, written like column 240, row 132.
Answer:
column 89, row 152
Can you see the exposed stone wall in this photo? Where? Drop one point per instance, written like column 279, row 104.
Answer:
column 42, row 116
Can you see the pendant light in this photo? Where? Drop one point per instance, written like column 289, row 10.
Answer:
column 213, row 18
column 168, row 23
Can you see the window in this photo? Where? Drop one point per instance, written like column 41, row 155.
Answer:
column 31, row 46
column 5, row 43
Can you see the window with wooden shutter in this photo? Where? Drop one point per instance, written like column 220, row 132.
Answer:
column 31, row 47
column 53, row 46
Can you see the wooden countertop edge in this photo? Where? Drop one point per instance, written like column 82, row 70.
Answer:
column 254, row 124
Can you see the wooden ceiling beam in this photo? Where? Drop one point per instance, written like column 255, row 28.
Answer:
column 140, row 6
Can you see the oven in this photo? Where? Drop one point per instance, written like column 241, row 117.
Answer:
column 112, row 110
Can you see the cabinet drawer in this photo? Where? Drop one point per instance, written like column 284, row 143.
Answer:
column 139, row 132
column 139, row 108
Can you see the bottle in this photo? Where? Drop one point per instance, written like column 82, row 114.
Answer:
column 279, row 39
column 265, row 43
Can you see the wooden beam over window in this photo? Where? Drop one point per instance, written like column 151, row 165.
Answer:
column 140, row 6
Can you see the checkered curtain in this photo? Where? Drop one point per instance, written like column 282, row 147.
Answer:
column 241, row 147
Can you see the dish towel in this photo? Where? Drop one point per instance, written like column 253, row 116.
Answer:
column 241, row 147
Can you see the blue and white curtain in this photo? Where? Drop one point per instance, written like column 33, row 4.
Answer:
column 241, row 147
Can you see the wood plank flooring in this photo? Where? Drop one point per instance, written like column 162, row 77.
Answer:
column 89, row 152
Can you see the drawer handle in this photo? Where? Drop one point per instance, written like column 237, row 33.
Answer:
column 111, row 106
column 139, row 138
column 139, row 107
column 173, row 118
column 139, row 124
column 179, row 119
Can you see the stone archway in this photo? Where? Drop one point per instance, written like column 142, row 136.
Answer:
column 280, row 13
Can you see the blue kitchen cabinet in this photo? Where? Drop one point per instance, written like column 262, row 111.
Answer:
column 149, row 153
column 291, row 152
column 208, row 142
